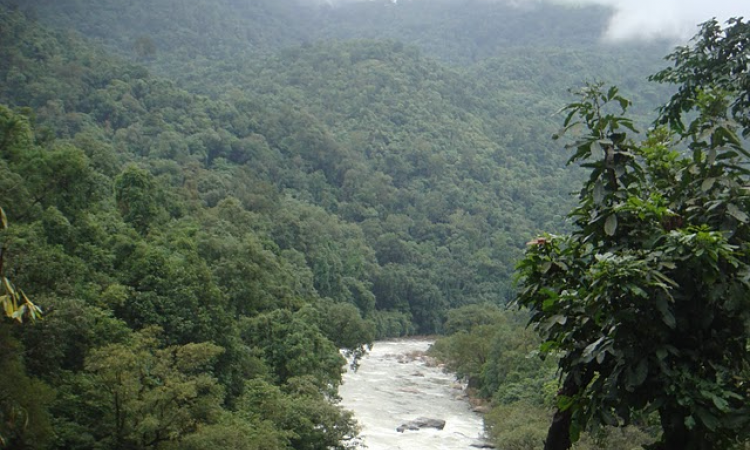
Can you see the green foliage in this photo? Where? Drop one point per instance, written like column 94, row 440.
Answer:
column 15, row 305
column 336, row 252
column 135, row 192
column 489, row 348
column 279, row 204
column 76, row 328
column 466, row 352
column 518, row 427
column 142, row 395
column 442, row 192
column 470, row 316
column 717, row 61
column 233, row 431
column 172, row 288
column 144, row 47
column 499, row 361
column 343, row 325
column 15, row 139
column 512, row 372
column 24, row 401
column 391, row 324
column 616, row 438
column 306, row 419
column 645, row 302
column 293, row 346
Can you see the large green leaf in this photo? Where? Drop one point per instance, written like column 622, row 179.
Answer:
column 610, row 225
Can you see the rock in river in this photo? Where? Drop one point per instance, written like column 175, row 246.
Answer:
column 482, row 444
column 422, row 422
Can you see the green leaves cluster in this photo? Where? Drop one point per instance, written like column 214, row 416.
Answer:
column 137, row 395
column 645, row 302
column 717, row 62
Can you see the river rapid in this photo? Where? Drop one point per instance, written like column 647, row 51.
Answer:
column 392, row 387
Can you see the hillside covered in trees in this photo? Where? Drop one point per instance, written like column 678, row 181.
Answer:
column 209, row 199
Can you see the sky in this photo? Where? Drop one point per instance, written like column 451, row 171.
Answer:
column 673, row 19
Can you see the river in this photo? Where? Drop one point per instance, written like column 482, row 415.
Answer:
column 392, row 387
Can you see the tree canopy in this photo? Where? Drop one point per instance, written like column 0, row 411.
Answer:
column 645, row 303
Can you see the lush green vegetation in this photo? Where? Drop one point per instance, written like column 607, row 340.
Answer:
column 643, row 307
column 412, row 186
column 646, row 301
column 208, row 199
column 176, row 315
column 496, row 353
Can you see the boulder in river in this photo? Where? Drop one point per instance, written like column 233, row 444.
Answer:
column 422, row 422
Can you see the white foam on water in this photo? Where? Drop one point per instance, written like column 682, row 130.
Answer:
column 391, row 388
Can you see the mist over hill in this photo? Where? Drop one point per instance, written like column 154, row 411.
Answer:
column 457, row 32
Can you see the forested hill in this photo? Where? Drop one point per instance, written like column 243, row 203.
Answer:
column 442, row 172
column 172, row 36
column 227, row 230
column 459, row 31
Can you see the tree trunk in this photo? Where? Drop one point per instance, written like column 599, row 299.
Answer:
column 675, row 435
column 558, row 435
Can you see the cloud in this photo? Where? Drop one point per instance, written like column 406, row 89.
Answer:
column 672, row 19
column 677, row 20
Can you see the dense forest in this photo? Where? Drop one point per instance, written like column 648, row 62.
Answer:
column 641, row 306
column 209, row 199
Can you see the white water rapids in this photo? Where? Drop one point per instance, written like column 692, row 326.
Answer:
column 391, row 388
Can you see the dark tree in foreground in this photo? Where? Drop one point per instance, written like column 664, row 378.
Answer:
column 647, row 301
